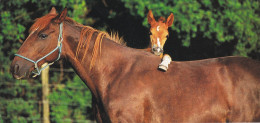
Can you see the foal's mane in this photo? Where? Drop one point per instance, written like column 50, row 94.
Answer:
column 86, row 33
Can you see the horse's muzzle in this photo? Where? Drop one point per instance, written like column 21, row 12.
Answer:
column 157, row 51
column 20, row 70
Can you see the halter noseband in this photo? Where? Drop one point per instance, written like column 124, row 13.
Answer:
column 59, row 46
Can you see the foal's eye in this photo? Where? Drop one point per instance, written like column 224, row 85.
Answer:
column 167, row 36
column 43, row 36
column 150, row 33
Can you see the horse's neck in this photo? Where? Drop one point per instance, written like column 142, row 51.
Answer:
column 108, row 61
column 70, row 42
column 109, row 66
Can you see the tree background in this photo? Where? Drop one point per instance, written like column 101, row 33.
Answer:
column 201, row 29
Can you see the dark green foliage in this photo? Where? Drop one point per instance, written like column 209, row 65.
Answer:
column 70, row 101
column 19, row 101
column 219, row 20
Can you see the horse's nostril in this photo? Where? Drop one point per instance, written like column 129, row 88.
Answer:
column 16, row 68
column 155, row 49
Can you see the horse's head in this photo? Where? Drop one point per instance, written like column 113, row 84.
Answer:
column 159, row 32
column 43, row 45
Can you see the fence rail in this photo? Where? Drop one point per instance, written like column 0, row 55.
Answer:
column 40, row 85
column 42, row 102
column 41, row 119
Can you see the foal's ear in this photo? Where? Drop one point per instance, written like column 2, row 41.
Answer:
column 170, row 20
column 53, row 11
column 61, row 16
column 150, row 17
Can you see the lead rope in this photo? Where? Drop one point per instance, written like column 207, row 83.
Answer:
column 59, row 46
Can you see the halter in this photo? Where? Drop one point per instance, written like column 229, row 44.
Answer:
column 59, row 46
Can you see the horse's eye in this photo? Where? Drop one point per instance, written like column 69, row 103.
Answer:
column 167, row 36
column 150, row 33
column 43, row 36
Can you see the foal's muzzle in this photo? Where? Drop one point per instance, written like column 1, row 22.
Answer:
column 157, row 51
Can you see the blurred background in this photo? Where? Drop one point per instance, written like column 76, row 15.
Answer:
column 201, row 29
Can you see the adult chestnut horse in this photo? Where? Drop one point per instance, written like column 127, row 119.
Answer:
column 127, row 87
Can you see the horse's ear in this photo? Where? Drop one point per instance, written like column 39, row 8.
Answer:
column 170, row 20
column 61, row 16
column 150, row 17
column 53, row 11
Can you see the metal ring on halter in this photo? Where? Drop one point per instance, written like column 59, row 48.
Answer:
column 59, row 46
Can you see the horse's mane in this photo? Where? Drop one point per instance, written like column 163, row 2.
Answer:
column 84, row 44
column 43, row 22
column 114, row 36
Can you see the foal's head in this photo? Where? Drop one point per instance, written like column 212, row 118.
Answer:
column 159, row 32
column 41, row 46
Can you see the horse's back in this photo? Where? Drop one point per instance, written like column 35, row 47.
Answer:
column 239, row 79
column 218, row 89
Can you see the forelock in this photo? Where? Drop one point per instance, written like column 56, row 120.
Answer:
column 43, row 22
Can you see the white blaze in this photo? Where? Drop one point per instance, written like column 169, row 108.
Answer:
column 158, row 28
column 32, row 32
column 158, row 42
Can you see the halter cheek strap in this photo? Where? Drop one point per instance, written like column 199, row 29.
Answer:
column 59, row 46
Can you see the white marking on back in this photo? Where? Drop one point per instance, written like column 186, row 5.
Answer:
column 158, row 28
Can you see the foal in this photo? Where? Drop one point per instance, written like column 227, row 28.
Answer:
column 158, row 36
